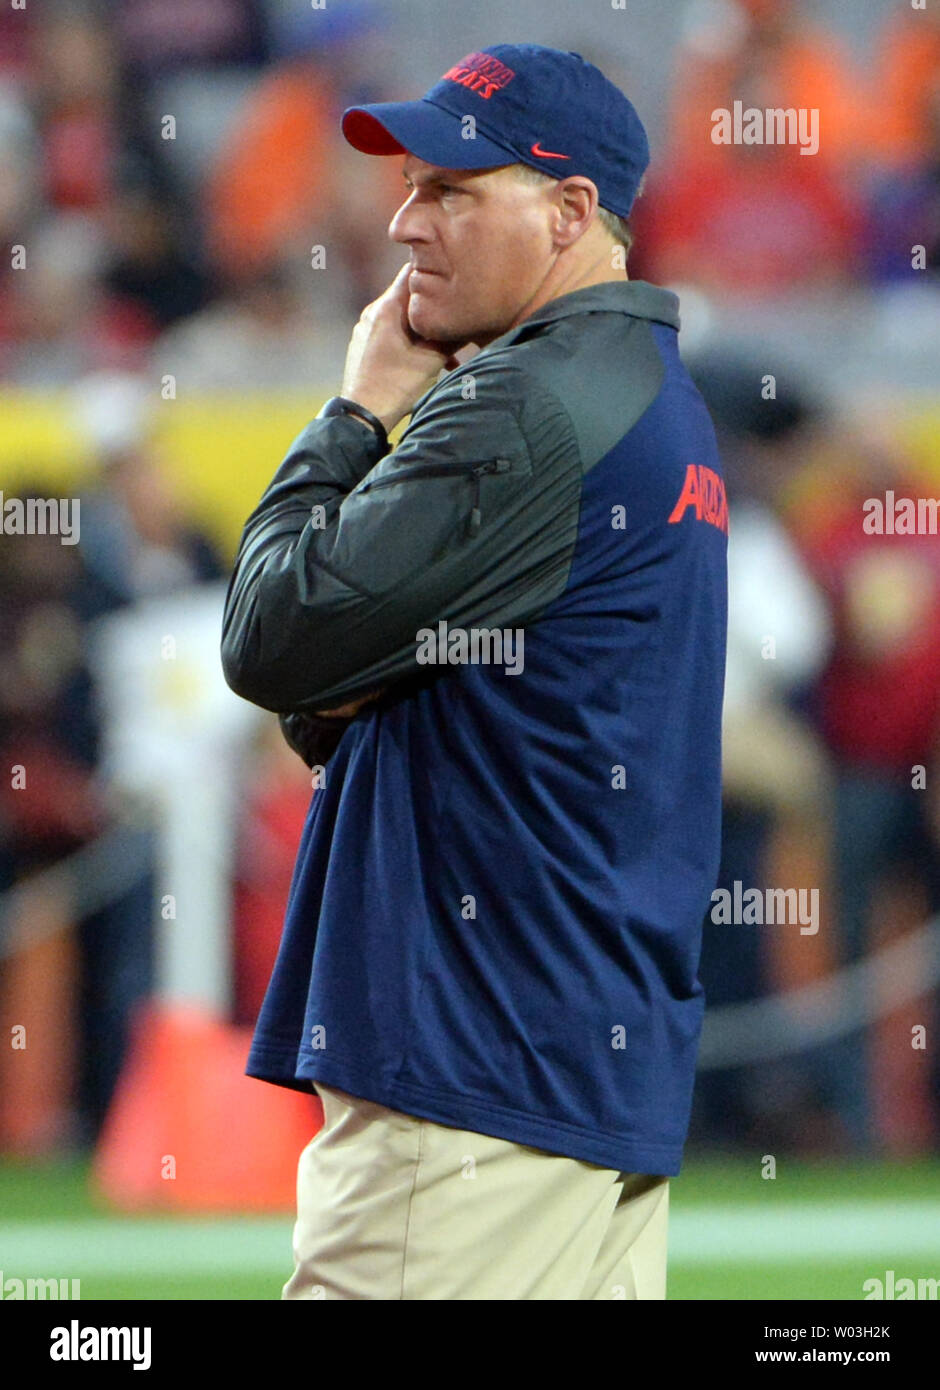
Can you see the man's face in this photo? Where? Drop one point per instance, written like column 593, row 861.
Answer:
column 481, row 242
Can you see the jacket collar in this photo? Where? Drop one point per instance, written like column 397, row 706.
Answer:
column 637, row 298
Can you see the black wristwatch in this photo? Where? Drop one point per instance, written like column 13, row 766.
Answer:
column 339, row 405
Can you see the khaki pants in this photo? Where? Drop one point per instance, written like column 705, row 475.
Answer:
column 390, row 1206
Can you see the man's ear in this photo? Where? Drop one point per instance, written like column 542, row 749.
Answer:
column 576, row 196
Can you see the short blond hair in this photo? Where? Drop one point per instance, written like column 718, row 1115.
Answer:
column 618, row 228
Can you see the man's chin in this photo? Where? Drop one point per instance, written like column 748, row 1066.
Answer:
column 434, row 328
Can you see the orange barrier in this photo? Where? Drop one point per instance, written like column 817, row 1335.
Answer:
column 188, row 1131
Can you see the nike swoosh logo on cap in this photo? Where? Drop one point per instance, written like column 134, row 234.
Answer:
column 547, row 154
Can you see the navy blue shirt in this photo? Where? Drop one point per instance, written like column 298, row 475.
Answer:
column 496, row 910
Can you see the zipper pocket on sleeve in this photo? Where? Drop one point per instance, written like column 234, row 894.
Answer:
column 472, row 471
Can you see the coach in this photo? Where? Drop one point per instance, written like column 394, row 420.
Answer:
column 489, row 961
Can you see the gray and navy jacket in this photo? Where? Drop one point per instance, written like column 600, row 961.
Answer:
column 495, row 915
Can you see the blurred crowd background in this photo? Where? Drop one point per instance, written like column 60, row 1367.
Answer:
column 166, row 172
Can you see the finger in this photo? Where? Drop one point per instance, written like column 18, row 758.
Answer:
column 400, row 294
column 398, row 289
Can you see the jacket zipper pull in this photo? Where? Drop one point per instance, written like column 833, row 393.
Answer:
column 491, row 466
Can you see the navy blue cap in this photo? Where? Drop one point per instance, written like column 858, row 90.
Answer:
column 530, row 105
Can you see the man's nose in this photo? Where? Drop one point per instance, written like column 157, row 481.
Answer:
column 409, row 223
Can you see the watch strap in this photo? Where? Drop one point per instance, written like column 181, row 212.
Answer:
column 339, row 405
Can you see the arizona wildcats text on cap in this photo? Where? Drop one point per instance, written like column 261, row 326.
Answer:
column 531, row 105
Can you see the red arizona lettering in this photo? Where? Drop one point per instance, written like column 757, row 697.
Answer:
column 689, row 496
column 705, row 491
column 481, row 72
column 709, row 485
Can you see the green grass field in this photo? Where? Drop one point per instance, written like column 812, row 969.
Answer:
column 816, row 1231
